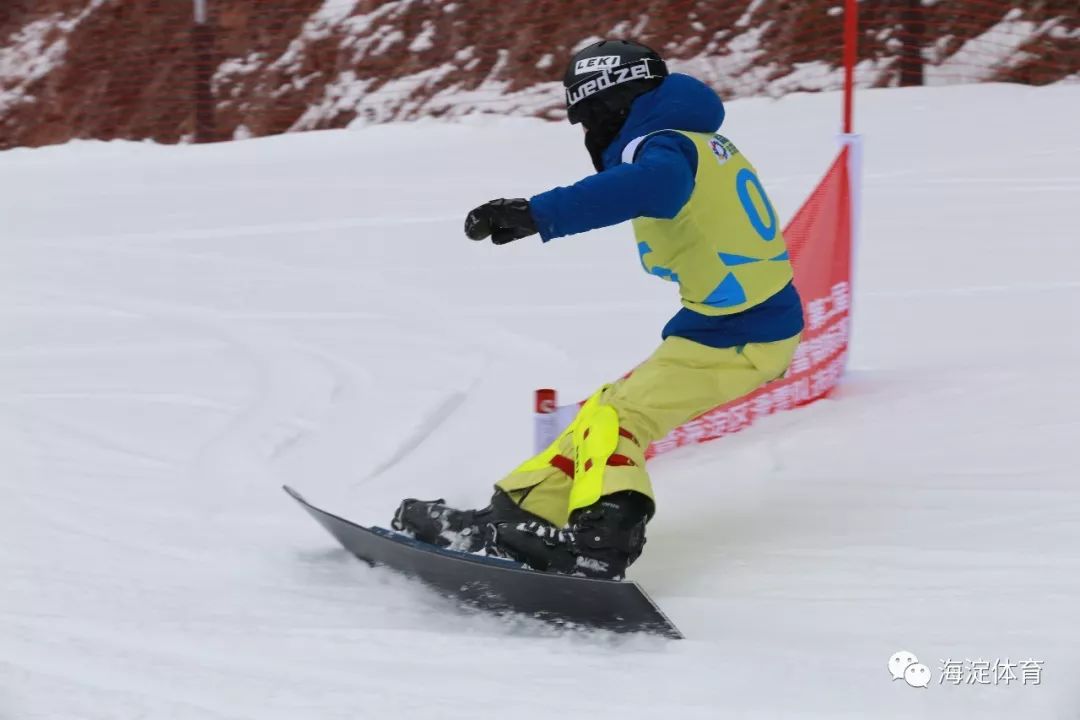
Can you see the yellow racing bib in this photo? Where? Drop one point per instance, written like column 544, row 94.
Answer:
column 725, row 248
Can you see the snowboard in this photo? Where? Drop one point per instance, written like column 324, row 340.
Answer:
column 498, row 585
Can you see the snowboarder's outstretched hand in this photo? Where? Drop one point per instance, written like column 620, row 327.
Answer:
column 504, row 220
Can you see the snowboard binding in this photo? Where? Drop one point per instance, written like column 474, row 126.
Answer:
column 436, row 523
column 600, row 541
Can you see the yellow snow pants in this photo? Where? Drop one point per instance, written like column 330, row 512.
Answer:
column 603, row 450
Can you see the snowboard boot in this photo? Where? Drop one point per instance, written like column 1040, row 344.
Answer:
column 434, row 522
column 600, row 541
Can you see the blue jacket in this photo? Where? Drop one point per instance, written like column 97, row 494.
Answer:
column 657, row 184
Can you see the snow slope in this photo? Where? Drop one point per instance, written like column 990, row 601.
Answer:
column 185, row 328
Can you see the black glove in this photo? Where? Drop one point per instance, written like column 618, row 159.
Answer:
column 504, row 220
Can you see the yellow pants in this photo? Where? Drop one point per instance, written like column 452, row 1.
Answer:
column 680, row 381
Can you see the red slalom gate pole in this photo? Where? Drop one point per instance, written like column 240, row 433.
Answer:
column 851, row 54
column 545, row 419
column 202, row 46
column 851, row 142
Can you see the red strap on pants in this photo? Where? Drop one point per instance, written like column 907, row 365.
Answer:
column 566, row 465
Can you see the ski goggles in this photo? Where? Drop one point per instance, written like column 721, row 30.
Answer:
column 644, row 69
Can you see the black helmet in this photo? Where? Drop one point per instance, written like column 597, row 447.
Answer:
column 603, row 79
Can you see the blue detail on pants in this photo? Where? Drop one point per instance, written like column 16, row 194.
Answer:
column 781, row 256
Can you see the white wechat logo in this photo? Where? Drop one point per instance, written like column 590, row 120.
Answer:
column 917, row 675
column 904, row 665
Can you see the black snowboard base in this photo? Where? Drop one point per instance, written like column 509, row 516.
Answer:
column 501, row 586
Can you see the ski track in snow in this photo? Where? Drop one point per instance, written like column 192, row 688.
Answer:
column 189, row 330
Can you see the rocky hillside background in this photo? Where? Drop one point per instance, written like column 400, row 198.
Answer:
column 130, row 68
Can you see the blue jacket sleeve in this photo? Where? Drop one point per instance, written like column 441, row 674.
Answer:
column 657, row 184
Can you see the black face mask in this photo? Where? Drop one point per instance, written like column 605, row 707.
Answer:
column 599, row 132
column 603, row 116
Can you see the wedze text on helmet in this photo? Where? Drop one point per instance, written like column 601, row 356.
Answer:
column 610, row 77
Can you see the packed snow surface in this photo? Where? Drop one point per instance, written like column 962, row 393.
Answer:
column 186, row 328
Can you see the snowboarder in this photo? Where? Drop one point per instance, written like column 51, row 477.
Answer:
column 702, row 220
